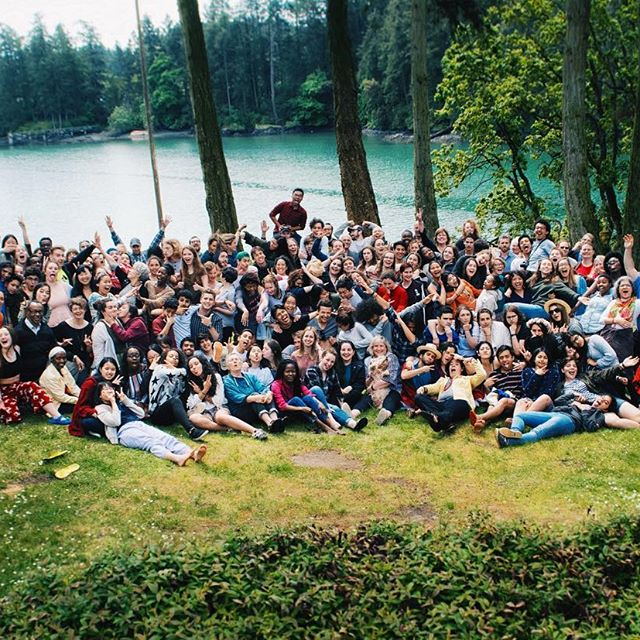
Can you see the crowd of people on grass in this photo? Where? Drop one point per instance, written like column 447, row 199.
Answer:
column 307, row 322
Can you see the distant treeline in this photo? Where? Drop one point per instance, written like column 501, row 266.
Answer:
column 268, row 60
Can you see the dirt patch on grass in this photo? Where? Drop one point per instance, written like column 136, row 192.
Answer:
column 326, row 460
column 418, row 513
column 15, row 488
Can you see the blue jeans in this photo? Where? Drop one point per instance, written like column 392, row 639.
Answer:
column 530, row 310
column 319, row 411
column 543, row 425
column 341, row 416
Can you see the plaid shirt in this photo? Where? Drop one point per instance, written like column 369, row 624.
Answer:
column 143, row 255
column 330, row 385
column 399, row 343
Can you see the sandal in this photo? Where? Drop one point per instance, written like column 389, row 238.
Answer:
column 61, row 474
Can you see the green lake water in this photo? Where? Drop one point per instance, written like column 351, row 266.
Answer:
column 66, row 190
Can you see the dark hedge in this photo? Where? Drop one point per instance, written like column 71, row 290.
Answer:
column 382, row 580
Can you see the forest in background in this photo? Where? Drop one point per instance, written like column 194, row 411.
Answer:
column 495, row 76
column 269, row 64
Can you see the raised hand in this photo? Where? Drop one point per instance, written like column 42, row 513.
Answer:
column 628, row 241
column 264, row 227
column 109, row 222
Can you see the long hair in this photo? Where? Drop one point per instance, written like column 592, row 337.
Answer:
column 512, row 308
column 276, row 349
column 163, row 357
column 207, row 370
column 76, row 290
column 339, row 365
column 100, row 387
column 458, row 324
column 12, row 333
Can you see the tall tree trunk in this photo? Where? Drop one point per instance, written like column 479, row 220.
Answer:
column 632, row 200
column 272, row 70
column 226, row 79
column 357, row 190
column 219, row 196
column 425, row 196
column 577, row 191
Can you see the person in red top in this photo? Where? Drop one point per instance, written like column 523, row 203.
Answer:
column 392, row 293
column 130, row 328
column 290, row 213
column 293, row 398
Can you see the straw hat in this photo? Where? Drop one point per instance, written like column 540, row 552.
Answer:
column 431, row 348
column 556, row 302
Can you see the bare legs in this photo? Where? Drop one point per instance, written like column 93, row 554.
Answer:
column 196, row 454
column 223, row 420
column 504, row 405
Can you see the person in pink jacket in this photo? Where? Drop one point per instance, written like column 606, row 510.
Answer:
column 292, row 397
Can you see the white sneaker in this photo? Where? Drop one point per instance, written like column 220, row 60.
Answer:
column 383, row 416
column 259, row 434
column 345, row 407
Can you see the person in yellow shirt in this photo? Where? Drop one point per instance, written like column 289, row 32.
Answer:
column 453, row 393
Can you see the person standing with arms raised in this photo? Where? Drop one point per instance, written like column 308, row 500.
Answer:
column 290, row 214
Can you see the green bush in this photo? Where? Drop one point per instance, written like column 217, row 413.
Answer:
column 379, row 581
column 124, row 119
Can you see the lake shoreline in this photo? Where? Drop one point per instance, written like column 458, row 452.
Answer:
column 93, row 137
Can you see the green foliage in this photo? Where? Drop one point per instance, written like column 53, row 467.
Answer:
column 248, row 45
column 124, row 119
column 168, row 89
column 502, row 88
column 385, row 63
column 378, row 581
column 312, row 107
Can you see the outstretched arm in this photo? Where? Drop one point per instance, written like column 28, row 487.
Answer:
column 629, row 265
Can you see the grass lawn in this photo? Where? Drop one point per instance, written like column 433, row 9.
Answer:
column 121, row 498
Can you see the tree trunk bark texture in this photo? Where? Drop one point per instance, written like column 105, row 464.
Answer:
column 357, row 190
column 424, row 190
column 631, row 217
column 580, row 210
column 217, row 185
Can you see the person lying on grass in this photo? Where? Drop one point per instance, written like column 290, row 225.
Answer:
column 562, row 420
column 121, row 418
column 207, row 405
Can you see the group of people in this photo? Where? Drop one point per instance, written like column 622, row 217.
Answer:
column 311, row 323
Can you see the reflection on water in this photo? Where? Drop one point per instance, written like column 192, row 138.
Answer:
column 66, row 190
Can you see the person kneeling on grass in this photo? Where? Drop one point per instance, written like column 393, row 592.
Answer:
column 454, row 393
column 292, row 397
column 563, row 420
column 121, row 418
column 207, row 405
